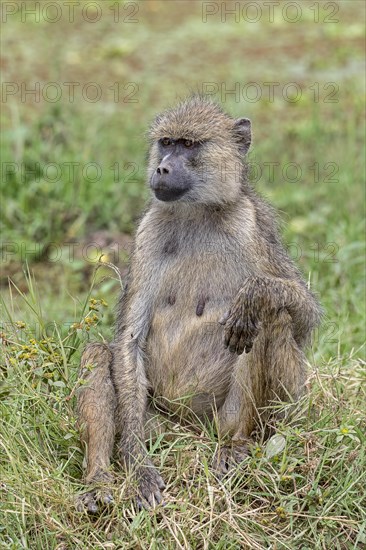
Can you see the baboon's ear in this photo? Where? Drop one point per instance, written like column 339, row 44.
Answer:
column 243, row 133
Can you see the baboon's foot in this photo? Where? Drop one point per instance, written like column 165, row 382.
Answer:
column 228, row 457
column 99, row 496
column 150, row 486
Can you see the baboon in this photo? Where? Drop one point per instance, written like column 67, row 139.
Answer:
column 214, row 315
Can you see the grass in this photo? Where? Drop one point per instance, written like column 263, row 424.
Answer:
column 309, row 491
column 305, row 495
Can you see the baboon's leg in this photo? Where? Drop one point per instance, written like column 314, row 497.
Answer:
column 96, row 405
column 273, row 370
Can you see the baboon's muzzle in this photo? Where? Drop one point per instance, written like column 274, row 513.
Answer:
column 169, row 182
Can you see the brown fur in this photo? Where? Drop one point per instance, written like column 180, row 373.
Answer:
column 213, row 255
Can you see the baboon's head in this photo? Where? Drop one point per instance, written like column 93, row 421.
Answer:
column 196, row 153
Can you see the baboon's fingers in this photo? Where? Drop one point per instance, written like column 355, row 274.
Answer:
column 242, row 345
column 246, row 342
column 233, row 343
column 229, row 329
column 253, row 330
column 240, row 334
column 141, row 505
column 152, row 474
column 233, row 332
column 248, row 335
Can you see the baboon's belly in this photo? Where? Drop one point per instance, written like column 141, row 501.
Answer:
column 188, row 363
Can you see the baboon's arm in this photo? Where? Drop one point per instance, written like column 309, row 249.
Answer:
column 131, row 386
column 129, row 373
column 129, row 377
column 258, row 299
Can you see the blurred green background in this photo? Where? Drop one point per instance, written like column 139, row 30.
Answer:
column 76, row 147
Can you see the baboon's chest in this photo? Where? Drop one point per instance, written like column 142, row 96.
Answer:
column 204, row 271
column 185, row 344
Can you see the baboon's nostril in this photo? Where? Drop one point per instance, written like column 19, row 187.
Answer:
column 162, row 170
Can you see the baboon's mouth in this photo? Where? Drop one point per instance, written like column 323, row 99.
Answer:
column 169, row 194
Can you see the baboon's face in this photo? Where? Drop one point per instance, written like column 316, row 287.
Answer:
column 196, row 155
column 175, row 175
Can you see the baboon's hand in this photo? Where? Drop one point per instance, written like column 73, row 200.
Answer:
column 150, row 486
column 241, row 325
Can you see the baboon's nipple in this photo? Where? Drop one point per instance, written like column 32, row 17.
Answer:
column 171, row 300
column 200, row 307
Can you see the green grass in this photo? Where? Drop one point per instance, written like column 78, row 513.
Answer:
column 311, row 493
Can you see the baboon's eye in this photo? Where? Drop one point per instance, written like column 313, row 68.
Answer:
column 188, row 143
column 166, row 142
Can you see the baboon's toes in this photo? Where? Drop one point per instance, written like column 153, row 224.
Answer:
column 220, row 463
column 150, row 488
column 227, row 457
column 239, row 452
column 87, row 502
column 149, row 500
column 149, row 497
column 92, row 501
column 107, row 499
